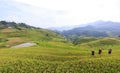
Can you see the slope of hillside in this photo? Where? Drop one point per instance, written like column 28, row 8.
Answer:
column 53, row 55
column 17, row 33
column 100, row 42
column 57, row 57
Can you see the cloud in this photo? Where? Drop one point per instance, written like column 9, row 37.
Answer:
column 52, row 13
column 32, row 15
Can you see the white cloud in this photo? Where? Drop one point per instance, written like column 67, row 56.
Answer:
column 49, row 13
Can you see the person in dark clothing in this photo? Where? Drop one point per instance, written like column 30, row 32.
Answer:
column 100, row 51
column 93, row 53
column 110, row 51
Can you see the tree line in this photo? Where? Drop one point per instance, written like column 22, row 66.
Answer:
column 5, row 24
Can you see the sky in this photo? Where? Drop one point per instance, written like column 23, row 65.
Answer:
column 59, row 13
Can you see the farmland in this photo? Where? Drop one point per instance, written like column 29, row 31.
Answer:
column 54, row 53
column 57, row 57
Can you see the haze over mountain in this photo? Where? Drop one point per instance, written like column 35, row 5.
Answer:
column 95, row 29
column 66, row 27
column 63, row 28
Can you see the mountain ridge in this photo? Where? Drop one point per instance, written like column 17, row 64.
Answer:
column 95, row 29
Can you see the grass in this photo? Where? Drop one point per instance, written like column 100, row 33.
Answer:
column 14, row 41
column 53, row 54
column 56, row 57
column 7, row 30
column 102, row 42
column 11, row 36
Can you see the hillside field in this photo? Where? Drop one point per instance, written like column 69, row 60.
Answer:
column 57, row 57
column 54, row 53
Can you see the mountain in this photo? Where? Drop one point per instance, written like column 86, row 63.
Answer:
column 95, row 29
column 12, row 33
column 64, row 28
column 5, row 24
column 111, row 28
column 61, row 28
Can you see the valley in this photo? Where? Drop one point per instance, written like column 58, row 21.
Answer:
column 54, row 53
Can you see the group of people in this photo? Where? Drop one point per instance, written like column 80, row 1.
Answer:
column 100, row 51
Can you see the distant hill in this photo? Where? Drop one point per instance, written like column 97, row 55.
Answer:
column 5, row 24
column 90, row 42
column 12, row 33
column 60, row 29
column 95, row 29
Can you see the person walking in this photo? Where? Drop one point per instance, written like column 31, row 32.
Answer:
column 100, row 51
column 110, row 51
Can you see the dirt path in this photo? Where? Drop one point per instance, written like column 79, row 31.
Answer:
column 28, row 44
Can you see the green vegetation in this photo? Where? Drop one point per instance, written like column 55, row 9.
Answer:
column 53, row 54
column 99, row 42
column 59, row 57
column 83, row 40
column 12, row 33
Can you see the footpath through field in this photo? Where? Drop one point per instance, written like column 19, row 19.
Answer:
column 28, row 44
